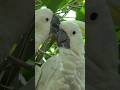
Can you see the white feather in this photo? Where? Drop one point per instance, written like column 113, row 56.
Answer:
column 42, row 27
column 67, row 70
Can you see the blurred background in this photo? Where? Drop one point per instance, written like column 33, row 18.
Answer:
column 17, row 54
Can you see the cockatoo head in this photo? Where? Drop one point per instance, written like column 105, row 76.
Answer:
column 48, row 21
column 70, row 37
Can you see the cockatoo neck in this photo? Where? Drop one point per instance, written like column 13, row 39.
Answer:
column 64, row 51
column 77, row 45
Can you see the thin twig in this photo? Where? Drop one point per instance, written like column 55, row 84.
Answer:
column 7, row 87
column 20, row 63
column 46, row 45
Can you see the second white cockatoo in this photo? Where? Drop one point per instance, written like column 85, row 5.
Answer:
column 45, row 23
column 65, row 71
column 44, row 18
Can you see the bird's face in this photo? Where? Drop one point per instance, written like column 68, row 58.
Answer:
column 63, row 39
column 51, row 21
column 43, row 19
column 43, row 15
column 47, row 21
column 62, row 36
column 69, row 36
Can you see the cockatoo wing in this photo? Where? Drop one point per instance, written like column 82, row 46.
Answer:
column 45, row 73
column 62, row 72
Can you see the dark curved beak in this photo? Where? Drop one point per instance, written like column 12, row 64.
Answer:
column 63, row 39
column 55, row 22
column 60, row 35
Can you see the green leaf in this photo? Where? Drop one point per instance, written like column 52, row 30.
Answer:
column 27, row 73
column 118, row 34
column 80, row 14
column 38, row 4
column 54, row 5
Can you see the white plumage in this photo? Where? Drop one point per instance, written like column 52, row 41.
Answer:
column 81, row 25
column 67, row 70
column 43, row 17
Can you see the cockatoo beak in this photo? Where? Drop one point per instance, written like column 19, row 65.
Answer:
column 63, row 39
column 60, row 35
column 55, row 22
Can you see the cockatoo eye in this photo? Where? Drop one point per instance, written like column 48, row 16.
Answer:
column 74, row 32
column 47, row 19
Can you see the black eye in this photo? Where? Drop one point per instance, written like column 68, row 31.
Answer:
column 47, row 19
column 73, row 32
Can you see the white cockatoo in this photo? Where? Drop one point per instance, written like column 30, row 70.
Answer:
column 45, row 22
column 43, row 19
column 65, row 71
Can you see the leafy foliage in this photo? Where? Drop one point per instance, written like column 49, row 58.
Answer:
column 59, row 7
column 24, row 47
